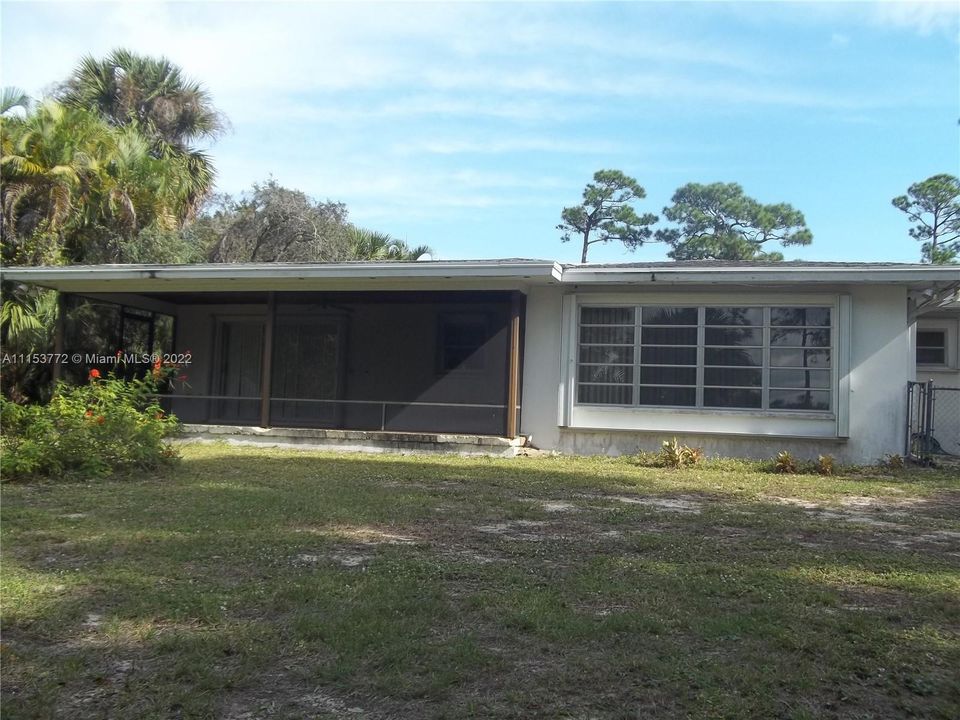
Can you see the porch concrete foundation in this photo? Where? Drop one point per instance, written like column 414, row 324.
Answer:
column 356, row 440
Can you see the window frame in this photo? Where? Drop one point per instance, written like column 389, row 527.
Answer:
column 834, row 423
column 942, row 347
column 949, row 328
column 445, row 318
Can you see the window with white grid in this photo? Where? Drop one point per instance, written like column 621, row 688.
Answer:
column 752, row 357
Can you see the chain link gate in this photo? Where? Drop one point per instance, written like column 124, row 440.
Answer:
column 933, row 421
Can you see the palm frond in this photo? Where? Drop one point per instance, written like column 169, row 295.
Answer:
column 13, row 97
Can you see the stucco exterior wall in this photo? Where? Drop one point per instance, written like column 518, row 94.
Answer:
column 879, row 359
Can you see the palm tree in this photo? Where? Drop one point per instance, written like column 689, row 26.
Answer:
column 27, row 320
column 72, row 184
column 372, row 245
column 152, row 95
column 49, row 162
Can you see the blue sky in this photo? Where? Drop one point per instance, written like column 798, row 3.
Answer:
column 468, row 126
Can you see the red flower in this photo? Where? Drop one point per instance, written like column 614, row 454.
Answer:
column 100, row 419
column 88, row 413
column 94, row 374
column 159, row 415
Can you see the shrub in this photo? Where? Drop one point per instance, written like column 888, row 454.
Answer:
column 785, row 463
column 893, row 461
column 676, row 455
column 646, row 458
column 87, row 431
column 825, row 465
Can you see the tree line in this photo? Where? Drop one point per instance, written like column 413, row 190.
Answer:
column 719, row 221
column 108, row 169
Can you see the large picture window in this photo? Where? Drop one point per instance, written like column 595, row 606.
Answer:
column 734, row 357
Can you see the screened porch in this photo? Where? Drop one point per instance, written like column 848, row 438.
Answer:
column 398, row 361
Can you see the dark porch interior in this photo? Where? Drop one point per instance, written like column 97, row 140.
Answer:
column 402, row 361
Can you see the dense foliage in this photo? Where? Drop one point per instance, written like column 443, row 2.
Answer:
column 152, row 95
column 719, row 222
column 106, row 426
column 78, row 190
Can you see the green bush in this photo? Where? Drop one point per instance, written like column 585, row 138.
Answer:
column 674, row 454
column 785, row 463
column 87, row 431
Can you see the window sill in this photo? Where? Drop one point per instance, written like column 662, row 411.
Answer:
column 734, row 412
column 937, row 368
column 709, row 433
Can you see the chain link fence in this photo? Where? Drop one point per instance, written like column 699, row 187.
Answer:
column 933, row 421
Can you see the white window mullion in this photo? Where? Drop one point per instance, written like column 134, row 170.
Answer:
column 637, row 346
column 701, row 341
column 765, row 373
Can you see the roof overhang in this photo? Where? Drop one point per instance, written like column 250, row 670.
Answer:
column 929, row 281
column 252, row 277
column 919, row 276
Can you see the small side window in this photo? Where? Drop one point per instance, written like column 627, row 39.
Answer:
column 460, row 342
column 932, row 347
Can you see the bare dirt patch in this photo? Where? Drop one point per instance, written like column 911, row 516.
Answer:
column 682, row 504
column 280, row 696
column 363, row 534
column 528, row 530
column 557, row 506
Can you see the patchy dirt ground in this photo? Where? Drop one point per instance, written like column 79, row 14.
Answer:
column 261, row 584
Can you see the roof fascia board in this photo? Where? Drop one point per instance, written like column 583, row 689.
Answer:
column 345, row 271
column 285, row 277
column 758, row 275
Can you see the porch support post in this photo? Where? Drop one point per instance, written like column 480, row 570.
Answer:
column 513, row 365
column 58, row 336
column 266, row 365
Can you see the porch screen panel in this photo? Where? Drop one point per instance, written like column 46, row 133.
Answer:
column 241, row 349
column 605, row 371
column 305, row 367
column 750, row 357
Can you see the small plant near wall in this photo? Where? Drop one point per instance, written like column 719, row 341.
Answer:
column 675, row 454
column 785, row 463
column 825, row 465
column 104, row 426
column 893, row 461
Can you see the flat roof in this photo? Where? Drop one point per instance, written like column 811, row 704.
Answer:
column 473, row 274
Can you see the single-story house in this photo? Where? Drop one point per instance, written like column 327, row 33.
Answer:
column 741, row 359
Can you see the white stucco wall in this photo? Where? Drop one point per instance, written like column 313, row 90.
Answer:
column 880, row 363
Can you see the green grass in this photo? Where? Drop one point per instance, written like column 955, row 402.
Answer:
column 263, row 583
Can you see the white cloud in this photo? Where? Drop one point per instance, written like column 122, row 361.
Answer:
column 924, row 17
column 500, row 145
column 839, row 40
column 257, row 57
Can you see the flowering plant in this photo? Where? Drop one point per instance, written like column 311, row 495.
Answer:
column 105, row 426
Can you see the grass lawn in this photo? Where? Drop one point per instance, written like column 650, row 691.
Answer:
column 249, row 583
